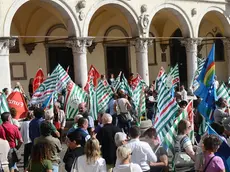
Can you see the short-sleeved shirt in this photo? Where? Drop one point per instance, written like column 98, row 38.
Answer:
column 10, row 133
column 34, row 128
column 215, row 165
column 219, row 115
column 181, row 143
column 41, row 166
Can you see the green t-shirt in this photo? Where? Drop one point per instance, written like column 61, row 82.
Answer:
column 41, row 166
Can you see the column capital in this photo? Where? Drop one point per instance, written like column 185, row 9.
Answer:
column 141, row 44
column 191, row 43
column 227, row 43
column 6, row 43
column 79, row 45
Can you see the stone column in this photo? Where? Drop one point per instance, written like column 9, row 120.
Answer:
column 191, row 52
column 79, row 48
column 227, row 48
column 141, row 45
column 5, row 44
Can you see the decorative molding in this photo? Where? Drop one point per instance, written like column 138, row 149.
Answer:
column 191, row 44
column 141, row 44
column 144, row 19
column 29, row 48
column 79, row 45
column 7, row 43
column 79, row 7
column 193, row 12
column 12, row 73
column 164, row 47
column 16, row 47
column 92, row 47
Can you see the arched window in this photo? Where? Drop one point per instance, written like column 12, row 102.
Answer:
column 152, row 54
column 219, row 48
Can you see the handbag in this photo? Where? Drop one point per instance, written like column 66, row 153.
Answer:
column 124, row 117
column 182, row 161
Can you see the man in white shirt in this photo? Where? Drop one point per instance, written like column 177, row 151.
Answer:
column 142, row 153
column 183, row 93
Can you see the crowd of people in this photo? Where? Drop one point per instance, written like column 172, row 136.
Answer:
column 113, row 142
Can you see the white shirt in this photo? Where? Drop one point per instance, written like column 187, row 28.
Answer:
column 4, row 149
column 127, row 168
column 25, row 132
column 142, row 153
column 184, row 95
column 83, row 166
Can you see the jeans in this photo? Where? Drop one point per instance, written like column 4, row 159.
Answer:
column 55, row 168
column 27, row 152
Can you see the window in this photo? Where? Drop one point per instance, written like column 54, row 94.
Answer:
column 152, row 55
column 219, row 48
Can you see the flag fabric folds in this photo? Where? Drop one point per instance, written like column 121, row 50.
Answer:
column 117, row 83
column 173, row 75
column 74, row 96
column 222, row 92
column 92, row 74
column 161, row 77
column 93, row 100
column 3, row 104
column 57, row 81
column 38, row 79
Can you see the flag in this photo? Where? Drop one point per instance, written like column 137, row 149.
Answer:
column 38, row 79
column 94, row 74
column 167, row 111
column 104, row 95
column 170, row 136
column 222, row 92
column 206, row 89
column 125, row 86
column 74, row 96
column 224, row 149
column 200, row 64
column 16, row 100
column 67, row 70
column 161, row 77
column 49, row 102
column 93, row 100
column 3, row 103
column 174, row 75
column 117, row 83
column 57, row 81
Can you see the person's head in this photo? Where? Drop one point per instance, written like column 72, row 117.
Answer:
column 31, row 81
column 120, row 138
column 92, row 150
column 211, row 143
column 145, row 125
column 30, row 115
column 111, row 75
column 5, row 117
column 49, row 114
column 99, row 117
column 45, row 128
column 74, row 139
column 82, row 107
column 221, row 102
column 184, row 127
column 182, row 87
column 39, row 112
column 6, row 91
column 102, row 77
column 123, row 153
column 40, row 152
column 134, row 132
column 13, row 112
column 83, row 123
column 76, row 118
column 131, row 76
column 183, row 104
column 218, row 128
column 57, row 106
column 107, row 118
column 115, row 96
column 151, row 134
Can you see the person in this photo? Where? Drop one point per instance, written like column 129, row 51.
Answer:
column 74, row 149
column 142, row 153
column 219, row 113
column 216, row 82
column 75, row 125
column 212, row 163
column 91, row 161
column 59, row 119
column 26, row 138
column 13, row 113
column 123, row 106
column 130, row 80
column 106, row 139
column 120, row 138
column 82, row 129
column 34, row 126
column 111, row 108
column 150, row 136
column 49, row 115
column 55, row 145
column 12, row 134
column 30, row 87
column 183, row 93
column 124, row 156
column 84, row 112
column 4, row 150
column 219, row 129
column 183, row 142
column 99, row 124
column 6, row 91
column 111, row 79
column 40, row 158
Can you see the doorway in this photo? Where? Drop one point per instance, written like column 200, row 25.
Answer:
column 178, row 55
column 62, row 56
column 117, row 60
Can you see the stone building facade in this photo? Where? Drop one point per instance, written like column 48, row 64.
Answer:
column 136, row 36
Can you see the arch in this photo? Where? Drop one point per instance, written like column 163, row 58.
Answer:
column 127, row 10
column 74, row 28
column 52, row 28
column 222, row 16
column 116, row 27
column 187, row 29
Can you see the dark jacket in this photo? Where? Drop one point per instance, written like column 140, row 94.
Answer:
column 106, row 139
column 70, row 156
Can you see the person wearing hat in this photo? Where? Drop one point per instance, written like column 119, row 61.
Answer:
column 55, row 144
column 145, row 125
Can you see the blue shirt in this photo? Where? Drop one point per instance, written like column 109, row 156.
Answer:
column 34, row 128
column 111, row 107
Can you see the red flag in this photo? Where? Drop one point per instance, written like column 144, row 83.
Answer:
column 93, row 73
column 38, row 79
column 135, row 82
column 67, row 70
column 17, row 101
